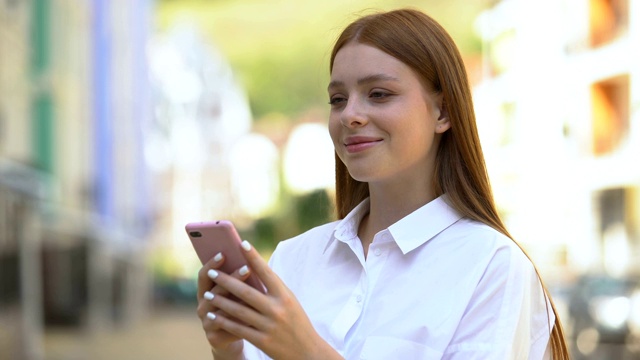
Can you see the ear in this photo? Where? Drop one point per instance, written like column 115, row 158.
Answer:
column 442, row 124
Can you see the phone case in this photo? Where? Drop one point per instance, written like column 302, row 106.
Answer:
column 211, row 237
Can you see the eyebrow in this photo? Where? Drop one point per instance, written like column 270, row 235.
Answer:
column 365, row 80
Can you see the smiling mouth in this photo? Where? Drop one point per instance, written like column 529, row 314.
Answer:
column 361, row 145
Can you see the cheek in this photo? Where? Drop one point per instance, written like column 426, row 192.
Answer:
column 334, row 130
column 417, row 131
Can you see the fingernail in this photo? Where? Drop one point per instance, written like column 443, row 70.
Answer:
column 212, row 274
column 211, row 316
column 243, row 270
column 218, row 257
column 246, row 246
column 208, row 295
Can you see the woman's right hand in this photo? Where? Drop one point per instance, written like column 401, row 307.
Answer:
column 223, row 344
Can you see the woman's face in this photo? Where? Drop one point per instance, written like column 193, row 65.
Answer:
column 383, row 122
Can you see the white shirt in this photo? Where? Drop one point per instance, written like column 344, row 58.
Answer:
column 434, row 285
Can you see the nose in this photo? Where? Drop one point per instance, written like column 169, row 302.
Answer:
column 353, row 114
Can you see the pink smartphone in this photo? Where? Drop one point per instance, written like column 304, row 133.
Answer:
column 212, row 237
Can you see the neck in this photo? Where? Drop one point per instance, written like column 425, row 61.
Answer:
column 388, row 204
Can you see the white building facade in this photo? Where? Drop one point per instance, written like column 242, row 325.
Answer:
column 559, row 116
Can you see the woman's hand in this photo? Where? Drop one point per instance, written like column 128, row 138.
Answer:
column 275, row 322
column 223, row 344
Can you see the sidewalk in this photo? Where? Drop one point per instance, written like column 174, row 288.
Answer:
column 169, row 334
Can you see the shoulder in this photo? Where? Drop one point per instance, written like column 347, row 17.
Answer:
column 488, row 256
column 315, row 237
column 506, row 308
column 476, row 231
column 508, row 270
column 482, row 242
column 311, row 241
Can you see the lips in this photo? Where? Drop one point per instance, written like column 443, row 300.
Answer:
column 355, row 144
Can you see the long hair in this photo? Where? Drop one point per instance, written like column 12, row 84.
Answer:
column 460, row 171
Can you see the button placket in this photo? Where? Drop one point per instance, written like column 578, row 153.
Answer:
column 351, row 312
column 375, row 263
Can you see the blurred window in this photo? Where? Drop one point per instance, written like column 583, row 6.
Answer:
column 11, row 211
column 9, row 279
column 65, row 281
column 615, row 209
column 608, row 19
column 610, row 114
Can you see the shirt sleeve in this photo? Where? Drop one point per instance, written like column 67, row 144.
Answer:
column 508, row 316
column 251, row 352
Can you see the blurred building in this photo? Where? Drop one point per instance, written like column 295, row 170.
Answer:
column 559, row 115
column 75, row 196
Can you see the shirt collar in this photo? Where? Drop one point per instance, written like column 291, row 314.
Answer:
column 347, row 228
column 409, row 232
column 424, row 224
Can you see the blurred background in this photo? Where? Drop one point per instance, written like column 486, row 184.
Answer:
column 122, row 120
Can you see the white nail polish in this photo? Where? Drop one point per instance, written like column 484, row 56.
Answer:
column 212, row 274
column 243, row 270
column 211, row 316
column 218, row 257
column 208, row 295
column 246, row 246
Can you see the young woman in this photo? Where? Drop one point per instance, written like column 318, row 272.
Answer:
column 420, row 265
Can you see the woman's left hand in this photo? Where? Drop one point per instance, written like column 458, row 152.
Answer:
column 274, row 322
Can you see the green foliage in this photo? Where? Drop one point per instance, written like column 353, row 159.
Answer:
column 301, row 213
column 284, row 84
column 313, row 209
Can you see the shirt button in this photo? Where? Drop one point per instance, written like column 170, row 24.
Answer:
column 358, row 299
column 377, row 252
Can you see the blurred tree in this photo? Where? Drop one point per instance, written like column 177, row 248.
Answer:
column 313, row 209
column 299, row 214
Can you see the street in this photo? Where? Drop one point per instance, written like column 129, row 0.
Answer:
column 170, row 334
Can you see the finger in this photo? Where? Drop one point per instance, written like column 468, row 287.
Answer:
column 241, row 290
column 240, row 312
column 204, row 282
column 206, row 306
column 220, row 338
column 241, row 274
column 214, row 334
column 237, row 329
column 260, row 267
column 204, row 302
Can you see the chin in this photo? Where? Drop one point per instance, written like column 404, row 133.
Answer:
column 361, row 176
column 364, row 175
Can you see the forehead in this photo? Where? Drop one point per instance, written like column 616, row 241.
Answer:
column 356, row 60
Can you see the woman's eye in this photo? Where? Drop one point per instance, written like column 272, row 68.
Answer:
column 336, row 100
column 378, row 95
